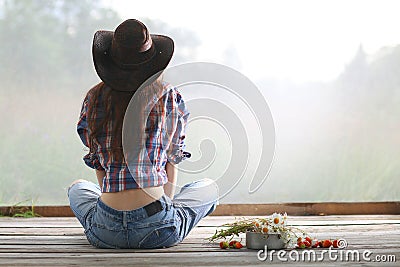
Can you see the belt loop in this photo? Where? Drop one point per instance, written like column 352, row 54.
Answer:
column 124, row 220
column 168, row 202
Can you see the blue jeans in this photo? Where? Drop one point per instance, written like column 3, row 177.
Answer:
column 106, row 227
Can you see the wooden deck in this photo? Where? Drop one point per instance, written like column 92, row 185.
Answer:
column 60, row 242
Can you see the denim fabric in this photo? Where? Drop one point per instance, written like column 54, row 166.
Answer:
column 106, row 227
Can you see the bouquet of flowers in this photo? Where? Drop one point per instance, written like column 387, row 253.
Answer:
column 274, row 224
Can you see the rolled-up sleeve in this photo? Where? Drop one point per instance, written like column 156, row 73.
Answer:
column 91, row 159
column 179, row 117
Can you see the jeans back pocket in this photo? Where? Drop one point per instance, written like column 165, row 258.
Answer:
column 160, row 237
column 96, row 242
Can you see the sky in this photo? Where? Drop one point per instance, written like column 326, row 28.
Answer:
column 303, row 40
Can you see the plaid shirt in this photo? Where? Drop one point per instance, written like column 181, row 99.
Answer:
column 163, row 143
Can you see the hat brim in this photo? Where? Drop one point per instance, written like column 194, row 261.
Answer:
column 122, row 79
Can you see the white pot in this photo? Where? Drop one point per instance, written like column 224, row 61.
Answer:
column 255, row 240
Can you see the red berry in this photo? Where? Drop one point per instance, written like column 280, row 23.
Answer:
column 232, row 243
column 335, row 243
column 308, row 239
column 326, row 243
column 307, row 244
column 315, row 243
column 223, row 244
column 238, row 245
column 299, row 239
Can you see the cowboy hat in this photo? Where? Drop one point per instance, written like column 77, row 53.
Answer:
column 128, row 57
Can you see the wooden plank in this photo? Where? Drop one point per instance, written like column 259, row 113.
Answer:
column 197, row 238
column 70, row 222
column 222, row 258
column 224, row 219
column 334, row 208
column 316, row 229
column 89, row 251
column 45, row 211
column 354, row 241
column 210, row 230
column 201, row 237
column 86, row 248
column 190, row 244
column 326, row 208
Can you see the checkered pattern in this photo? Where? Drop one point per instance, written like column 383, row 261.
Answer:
column 162, row 143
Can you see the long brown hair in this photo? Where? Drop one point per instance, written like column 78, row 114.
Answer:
column 106, row 109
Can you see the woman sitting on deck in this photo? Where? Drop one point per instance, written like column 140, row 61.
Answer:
column 134, row 205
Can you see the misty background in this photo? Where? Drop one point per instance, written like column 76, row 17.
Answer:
column 337, row 139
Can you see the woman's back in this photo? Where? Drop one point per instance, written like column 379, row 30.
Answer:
column 134, row 151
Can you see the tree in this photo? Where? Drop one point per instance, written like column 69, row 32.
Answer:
column 45, row 43
column 356, row 72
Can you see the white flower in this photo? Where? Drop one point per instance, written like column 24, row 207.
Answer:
column 276, row 219
column 265, row 229
column 257, row 225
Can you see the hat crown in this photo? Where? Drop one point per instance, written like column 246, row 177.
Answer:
column 133, row 34
column 131, row 43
